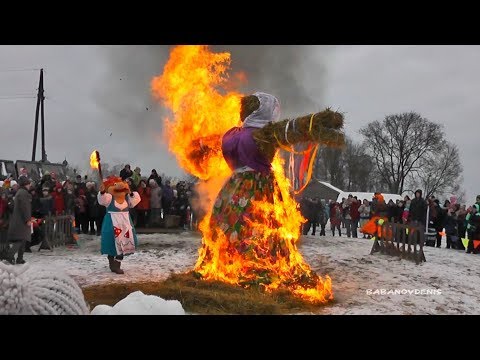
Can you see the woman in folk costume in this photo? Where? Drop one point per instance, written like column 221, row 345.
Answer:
column 118, row 237
column 237, row 222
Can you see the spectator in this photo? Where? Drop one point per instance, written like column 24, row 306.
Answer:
column 167, row 198
column 461, row 220
column 136, row 177
column 20, row 225
column 391, row 210
column 156, row 177
column 93, row 209
column 155, row 202
column 4, row 213
column 451, row 228
column 347, row 218
column 439, row 221
column 126, row 172
column 143, row 207
column 418, row 210
column 69, row 199
column 324, row 216
column 46, row 203
column 473, row 229
column 79, row 184
column 335, row 217
column 81, row 211
column 307, row 209
column 355, row 216
column 364, row 211
column 58, row 200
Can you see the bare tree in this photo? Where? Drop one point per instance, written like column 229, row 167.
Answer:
column 398, row 144
column 358, row 168
column 329, row 166
column 440, row 171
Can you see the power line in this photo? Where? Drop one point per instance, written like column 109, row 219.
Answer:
column 16, row 97
column 17, row 70
column 26, row 94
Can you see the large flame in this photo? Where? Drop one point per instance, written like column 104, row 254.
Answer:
column 202, row 114
column 191, row 86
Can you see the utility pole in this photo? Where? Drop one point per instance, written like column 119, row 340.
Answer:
column 40, row 106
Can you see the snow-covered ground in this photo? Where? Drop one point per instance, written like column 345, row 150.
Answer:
column 448, row 283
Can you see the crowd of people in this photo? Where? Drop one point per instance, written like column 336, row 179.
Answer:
column 451, row 219
column 78, row 199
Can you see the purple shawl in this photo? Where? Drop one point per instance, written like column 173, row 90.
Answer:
column 239, row 150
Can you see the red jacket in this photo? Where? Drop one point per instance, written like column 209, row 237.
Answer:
column 58, row 202
column 144, row 203
column 354, row 210
column 3, row 207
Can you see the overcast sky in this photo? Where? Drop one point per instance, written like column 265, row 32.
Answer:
column 95, row 91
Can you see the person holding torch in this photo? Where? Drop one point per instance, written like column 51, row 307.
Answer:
column 118, row 236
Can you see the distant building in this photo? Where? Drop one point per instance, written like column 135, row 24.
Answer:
column 322, row 190
column 326, row 191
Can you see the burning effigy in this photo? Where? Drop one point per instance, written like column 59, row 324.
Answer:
column 232, row 142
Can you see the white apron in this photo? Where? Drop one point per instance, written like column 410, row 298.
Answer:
column 122, row 230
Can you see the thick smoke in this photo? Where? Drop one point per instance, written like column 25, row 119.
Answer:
column 295, row 74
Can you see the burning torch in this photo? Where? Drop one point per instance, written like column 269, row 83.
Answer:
column 95, row 164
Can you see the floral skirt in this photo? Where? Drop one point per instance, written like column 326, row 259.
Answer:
column 244, row 233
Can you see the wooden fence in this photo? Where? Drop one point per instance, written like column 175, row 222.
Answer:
column 400, row 240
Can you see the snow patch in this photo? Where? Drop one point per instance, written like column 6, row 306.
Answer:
column 137, row 303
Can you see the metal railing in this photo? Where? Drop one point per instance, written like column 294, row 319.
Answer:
column 57, row 231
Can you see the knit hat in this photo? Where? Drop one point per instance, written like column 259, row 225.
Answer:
column 26, row 290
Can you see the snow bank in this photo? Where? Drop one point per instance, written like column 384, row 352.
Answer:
column 137, row 303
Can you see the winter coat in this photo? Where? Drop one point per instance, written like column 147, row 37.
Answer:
column 335, row 214
column 167, row 194
column 69, row 203
column 156, row 198
column 93, row 205
column 440, row 219
column 364, row 211
column 46, row 206
column 4, row 214
column 58, row 202
column 144, row 203
column 124, row 174
column 22, row 212
column 81, row 205
column 157, row 179
column 451, row 224
column 136, row 177
column 346, row 209
column 418, row 210
column 354, row 210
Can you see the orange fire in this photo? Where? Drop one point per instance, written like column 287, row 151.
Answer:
column 94, row 160
column 193, row 85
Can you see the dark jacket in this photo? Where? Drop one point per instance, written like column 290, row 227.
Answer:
column 22, row 212
column 93, row 206
column 157, row 179
column 46, row 206
column 124, row 174
column 418, row 210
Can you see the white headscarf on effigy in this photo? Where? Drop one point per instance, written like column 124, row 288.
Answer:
column 25, row 290
column 269, row 111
